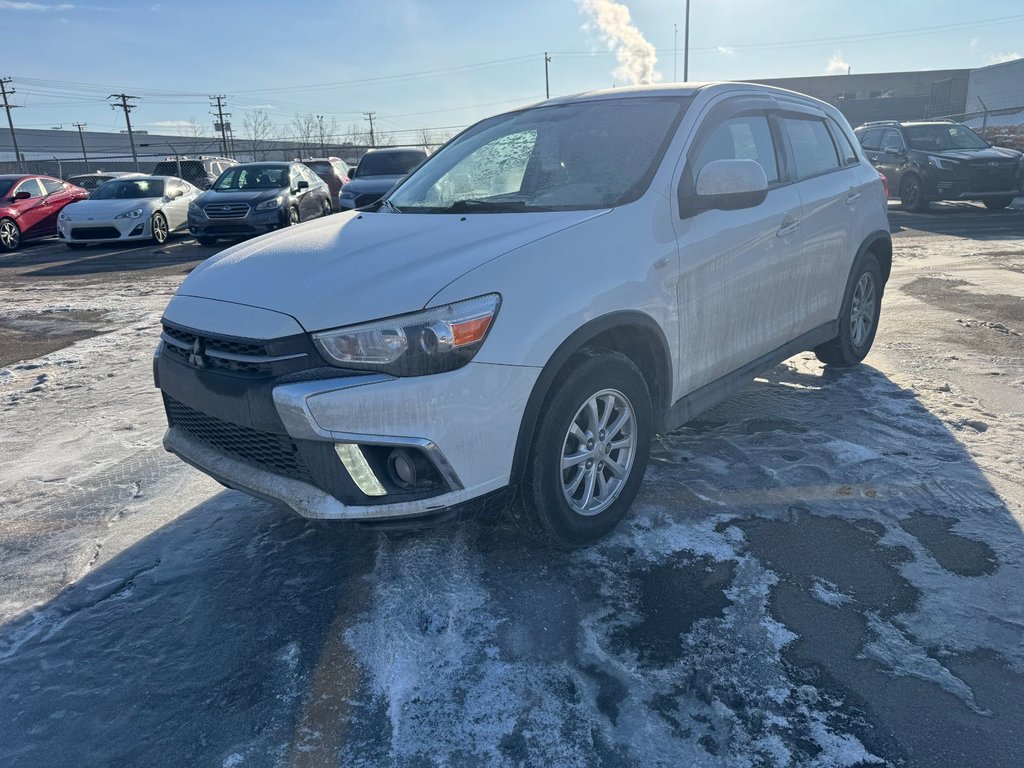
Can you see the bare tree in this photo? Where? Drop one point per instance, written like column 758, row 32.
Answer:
column 358, row 135
column 305, row 130
column 431, row 139
column 258, row 128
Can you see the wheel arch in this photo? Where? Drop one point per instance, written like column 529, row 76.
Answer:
column 878, row 243
column 633, row 334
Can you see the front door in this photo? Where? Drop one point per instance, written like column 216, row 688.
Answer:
column 729, row 260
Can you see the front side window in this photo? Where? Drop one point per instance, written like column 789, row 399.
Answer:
column 29, row 185
column 246, row 177
column 135, row 189
column 813, row 150
column 741, row 138
column 582, row 156
column 945, row 136
column 871, row 138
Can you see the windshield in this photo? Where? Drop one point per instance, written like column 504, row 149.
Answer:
column 6, row 184
column 567, row 157
column 243, row 177
column 936, row 138
column 320, row 168
column 396, row 163
column 129, row 190
column 88, row 182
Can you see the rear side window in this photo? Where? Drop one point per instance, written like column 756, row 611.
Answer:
column 846, row 152
column 747, row 137
column 51, row 186
column 871, row 138
column 814, row 152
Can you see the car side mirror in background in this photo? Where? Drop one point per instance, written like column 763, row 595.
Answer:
column 729, row 185
column 23, row 195
column 302, row 185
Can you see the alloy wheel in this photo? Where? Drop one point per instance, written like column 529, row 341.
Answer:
column 10, row 236
column 159, row 228
column 598, row 452
column 862, row 310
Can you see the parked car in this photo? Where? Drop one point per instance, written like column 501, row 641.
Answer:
column 198, row 171
column 255, row 198
column 125, row 210
column 624, row 260
column 378, row 171
column 332, row 170
column 90, row 181
column 941, row 160
column 30, row 205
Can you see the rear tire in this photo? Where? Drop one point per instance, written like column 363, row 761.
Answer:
column 997, row 203
column 10, row 235
column 858, row 320
column 912, row 194
column 589, row 452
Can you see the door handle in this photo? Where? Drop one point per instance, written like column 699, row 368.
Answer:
column 852, row 197
column 789, row 225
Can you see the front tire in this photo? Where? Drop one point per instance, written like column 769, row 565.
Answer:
column 75, row 246
column 858, row 320
column 158, row 228
column 293, row 217
column 997, row 203
column 589, row 452
column 912, row 194
column 203, row 240
column 10, row 235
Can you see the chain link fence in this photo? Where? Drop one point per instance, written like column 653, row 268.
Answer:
column 999, row 127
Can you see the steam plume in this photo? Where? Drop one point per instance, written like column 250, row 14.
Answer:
column 612, row 24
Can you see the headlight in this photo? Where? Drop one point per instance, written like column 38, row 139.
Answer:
column 194, row 208
column 130, row 214
column 941, row 163
column 64, row 217
column 432, row 341
column 268, row 205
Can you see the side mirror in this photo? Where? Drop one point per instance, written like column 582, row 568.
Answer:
column 23, row 195
column 730, row 185
column 302, row 184
column 895, row 151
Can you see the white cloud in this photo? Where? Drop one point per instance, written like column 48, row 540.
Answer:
column 15, row 5
column 973, row 45
column 726, row 50
column 837, row 65
column 1001, row 58
column 612, row 23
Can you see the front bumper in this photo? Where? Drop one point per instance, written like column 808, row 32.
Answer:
column 466, row 422
column 971, row 184
column 255, row 223
column 109, row 231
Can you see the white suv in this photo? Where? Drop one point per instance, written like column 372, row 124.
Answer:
column 529, row 307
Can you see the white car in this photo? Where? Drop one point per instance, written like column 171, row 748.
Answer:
column 529, row 307
column 128, row 209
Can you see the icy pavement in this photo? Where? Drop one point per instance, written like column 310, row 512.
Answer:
column 826, row 570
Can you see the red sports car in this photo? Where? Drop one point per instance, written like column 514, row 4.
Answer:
column 29, row 206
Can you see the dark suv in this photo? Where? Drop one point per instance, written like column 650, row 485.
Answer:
column 940, row 160
column 199, row 171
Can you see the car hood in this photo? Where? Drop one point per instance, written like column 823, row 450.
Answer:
column 989, row 153
column 354, row 267
column 210, row 197
column 372, row 184
column 102, row 210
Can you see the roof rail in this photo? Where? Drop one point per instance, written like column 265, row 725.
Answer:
column 880, row 122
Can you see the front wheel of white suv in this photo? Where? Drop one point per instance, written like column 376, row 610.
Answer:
column 858, row 320
column 589, row 452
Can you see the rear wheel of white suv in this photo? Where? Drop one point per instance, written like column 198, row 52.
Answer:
column 858, row 320
column 589, row 452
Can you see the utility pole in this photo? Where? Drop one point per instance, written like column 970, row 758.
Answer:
column 81, row 138
column 547, row 81
column 675, row 53
column 323, row 150
column 220, row 126
column 686, row 45
column 369, row 116
column 8, row 107
column 123, row 99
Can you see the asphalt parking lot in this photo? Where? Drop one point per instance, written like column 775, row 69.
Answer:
column 825, row 570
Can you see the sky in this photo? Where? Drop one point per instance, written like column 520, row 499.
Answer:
column 443, row 64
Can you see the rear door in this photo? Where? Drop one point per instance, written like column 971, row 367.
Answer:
column 32, row 211
column 56, row 196
column 729, row 259
column 829, row 186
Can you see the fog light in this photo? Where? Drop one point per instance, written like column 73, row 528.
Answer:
column 407, row 469
column 362, row 474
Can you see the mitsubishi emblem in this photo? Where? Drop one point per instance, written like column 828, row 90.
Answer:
column 195, row 358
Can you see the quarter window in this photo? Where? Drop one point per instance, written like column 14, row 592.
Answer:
column 846, row 153
column 740, row 138
column 813, row 150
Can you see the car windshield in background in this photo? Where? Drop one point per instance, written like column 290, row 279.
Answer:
column 392, row 163
column 6, row 183
column 937, row 138
column 136, row 189
column 89, row 182
column 321, row 169
column 564, row 157
column 244, row 177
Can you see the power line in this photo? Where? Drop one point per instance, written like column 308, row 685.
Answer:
column 124, row 98
column 10, row 122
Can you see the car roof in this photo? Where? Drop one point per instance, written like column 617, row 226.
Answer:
column 378, row 150
column 264, row 164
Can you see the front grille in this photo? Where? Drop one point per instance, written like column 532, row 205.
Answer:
column 211, row 345
column 274, row 453
column 249, row 347
column 364, row 200
column 94, row 233
column 226, row 210
column 986, row 178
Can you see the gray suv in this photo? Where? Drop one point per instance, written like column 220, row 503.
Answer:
column 254, row 198
column 199, row 171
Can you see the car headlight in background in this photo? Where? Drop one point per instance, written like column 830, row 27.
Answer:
column 137, row 213
column 63, row 216
column 432, row 341
column 941, row 163
column 269, row 205
column 194, row 208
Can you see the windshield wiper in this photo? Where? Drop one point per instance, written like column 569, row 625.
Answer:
column 491, row 206
column 390, row 206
